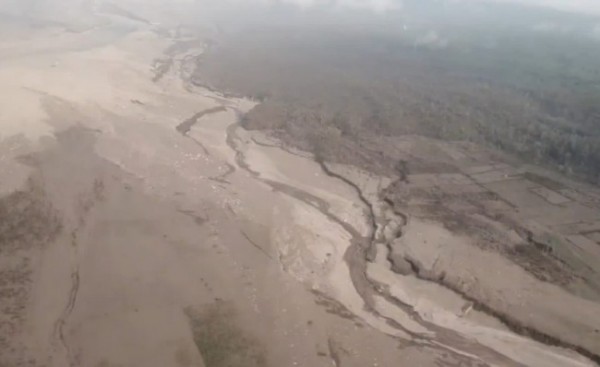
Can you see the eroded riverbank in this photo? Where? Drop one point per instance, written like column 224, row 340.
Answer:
column 495, row 344
column 179, row 225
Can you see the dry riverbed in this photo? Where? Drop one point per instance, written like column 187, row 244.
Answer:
column 143, row 226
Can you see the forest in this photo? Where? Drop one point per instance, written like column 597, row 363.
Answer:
column 527, row 83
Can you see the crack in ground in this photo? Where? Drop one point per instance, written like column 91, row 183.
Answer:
column 371, row 212
column 260, row 248
column 66, row 313
column 97, row 194
column 280, row 146
column 184, row 127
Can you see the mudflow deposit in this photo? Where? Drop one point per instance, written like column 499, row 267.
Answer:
column 148, row 218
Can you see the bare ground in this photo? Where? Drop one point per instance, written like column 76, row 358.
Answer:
column 146, row 237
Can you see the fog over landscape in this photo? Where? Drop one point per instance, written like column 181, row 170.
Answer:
column 270, row 183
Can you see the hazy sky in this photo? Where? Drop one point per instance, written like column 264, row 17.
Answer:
column 377, row 5
column 580, row 6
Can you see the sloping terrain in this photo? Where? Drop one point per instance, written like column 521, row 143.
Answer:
column 148, row 219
